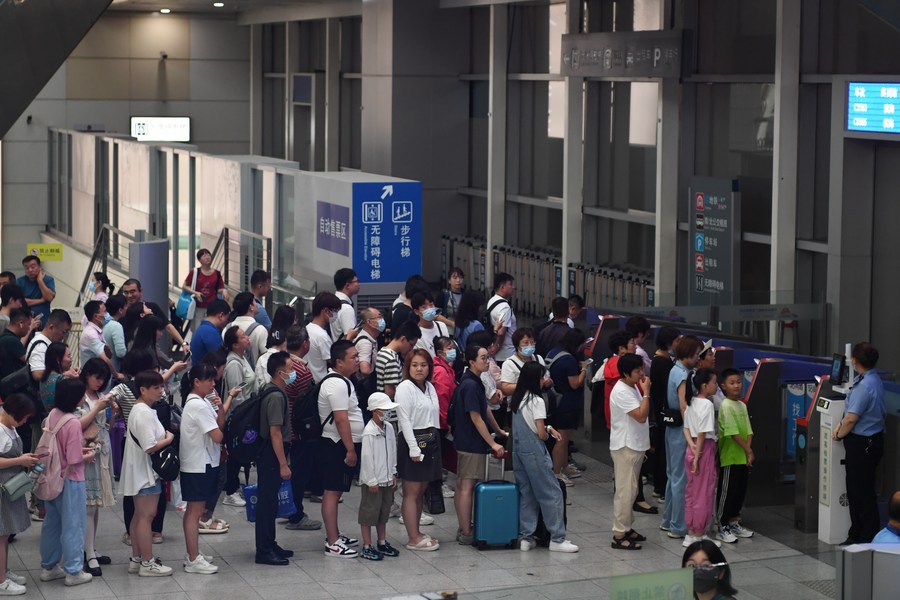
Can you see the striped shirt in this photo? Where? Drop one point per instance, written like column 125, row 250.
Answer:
column 388, row 369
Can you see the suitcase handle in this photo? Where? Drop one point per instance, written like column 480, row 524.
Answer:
column 487, row 466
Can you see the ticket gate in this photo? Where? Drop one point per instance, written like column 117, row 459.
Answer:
column 834, row 509
column 808, row 448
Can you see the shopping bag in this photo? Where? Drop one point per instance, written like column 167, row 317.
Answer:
column 286, row 506
column 186, row 306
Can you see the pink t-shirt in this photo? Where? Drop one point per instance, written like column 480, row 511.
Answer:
column 70, row 441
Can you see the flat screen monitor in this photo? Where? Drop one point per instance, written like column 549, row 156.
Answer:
column 838, row 368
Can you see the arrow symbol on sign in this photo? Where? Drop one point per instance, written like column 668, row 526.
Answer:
column 386, row 191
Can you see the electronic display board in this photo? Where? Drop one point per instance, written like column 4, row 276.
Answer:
column 873, row 107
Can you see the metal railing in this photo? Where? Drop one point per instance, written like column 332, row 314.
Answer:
column 111, row 247
column 238, row 253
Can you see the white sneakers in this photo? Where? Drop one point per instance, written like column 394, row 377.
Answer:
column 725, row 536
column 199, row 565
column 50, row 574
column 425, row 519
column 690, row 539
column 526, row 544
column 447, row 491
column 563, row 546
column 16, row 578
column 564, row 478
column 153, row 568
column 78, row 578
column 571, row 472
column 234, row 500
column 11, row 588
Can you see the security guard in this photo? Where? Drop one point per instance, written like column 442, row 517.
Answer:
column 862, row 431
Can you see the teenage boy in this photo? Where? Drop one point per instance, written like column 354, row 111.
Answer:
column 501, row 314
column 389, row 360
column 260, row 285
column 449, row 299
column 429, row 324
column 342, row 428
column 346, row 285
column 208, row 335
column 735, row 458
column 620, row 343
column 324, row 308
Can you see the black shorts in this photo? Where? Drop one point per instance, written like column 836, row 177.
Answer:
column 565, row 420
column 336, row 475
column 199, row 487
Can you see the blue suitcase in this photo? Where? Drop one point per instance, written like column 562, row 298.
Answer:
column 496, row 512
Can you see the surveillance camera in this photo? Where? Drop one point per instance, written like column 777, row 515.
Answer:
column 163, row 55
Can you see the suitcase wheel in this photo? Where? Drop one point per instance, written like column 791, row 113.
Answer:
column 512, row 544
column 481, row 545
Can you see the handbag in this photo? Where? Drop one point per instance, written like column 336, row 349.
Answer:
column 18, row 485
column 434, row 498
column 427, row 442
column 187, row 304
column 164, row 461
column 286, row 507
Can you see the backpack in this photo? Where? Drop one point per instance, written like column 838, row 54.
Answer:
column 486, row 317
column 21, row 382
column 305, row 420
column 242, row 428
column 365, row 385
column 253, row 358
column 49, row 484
column 451, row 409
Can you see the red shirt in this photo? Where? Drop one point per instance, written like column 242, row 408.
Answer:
column 297, row 389
column 444, row 381
column 208, row 285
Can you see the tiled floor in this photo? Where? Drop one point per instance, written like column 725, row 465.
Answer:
column 762, row 567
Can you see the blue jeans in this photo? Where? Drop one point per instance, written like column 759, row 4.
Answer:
column 673, row 511
column 62, row 533
column 538, row 488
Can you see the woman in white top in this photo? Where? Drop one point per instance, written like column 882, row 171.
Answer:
column 145, row 436
column 239, row 373
column 539, row 491
column 418, row 448
column 199, row 450
column 277, row 342
column 700, row 430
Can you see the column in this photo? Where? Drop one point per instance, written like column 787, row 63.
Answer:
column 496, row 185
column 573, row 155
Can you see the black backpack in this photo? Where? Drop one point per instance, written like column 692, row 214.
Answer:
column 305, row 419
column 242, row 429
column 365, row 385
column 451, row 409
column 21, row 382
column 486, row 317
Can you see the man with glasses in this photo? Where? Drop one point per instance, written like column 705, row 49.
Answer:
column 471, row 437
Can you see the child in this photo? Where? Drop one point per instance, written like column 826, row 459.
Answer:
column 377, row 477
column 735, row 456
column 700, row 457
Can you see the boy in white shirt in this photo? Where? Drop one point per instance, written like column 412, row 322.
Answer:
column 377, row 478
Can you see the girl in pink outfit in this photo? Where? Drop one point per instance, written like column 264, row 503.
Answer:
column 700, row 457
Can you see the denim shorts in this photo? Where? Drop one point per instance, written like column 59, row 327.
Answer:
column 154, row 489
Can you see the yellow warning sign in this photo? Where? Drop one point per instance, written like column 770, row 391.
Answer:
column 46, row 252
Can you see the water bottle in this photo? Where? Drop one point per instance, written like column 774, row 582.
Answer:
column 108, row 414
column 36, row 471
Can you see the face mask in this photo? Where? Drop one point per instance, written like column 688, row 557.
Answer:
column 333, row 317
column 527, row 350
column 91, row 287
column 705, row 581
column 106, row 318
column 291, row 378
column 429, row 314
column 672, row 352
column 450, row 355
column 381, row 325
column 390, row 415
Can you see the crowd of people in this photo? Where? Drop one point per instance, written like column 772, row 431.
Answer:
column 385, row 399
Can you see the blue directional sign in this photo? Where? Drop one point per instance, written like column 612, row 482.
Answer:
column 871, row 107
column 387, row 231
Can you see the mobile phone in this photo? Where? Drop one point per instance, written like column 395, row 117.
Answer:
column 588, row 361
column 588, row 341
column 242, row 385
column 187, row 355
column 293, row 301
column 360, row 324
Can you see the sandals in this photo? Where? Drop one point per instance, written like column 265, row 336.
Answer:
column 649, row 510
column 426, row 544
column 624, row 544
column 634, row 536
column 213, row 526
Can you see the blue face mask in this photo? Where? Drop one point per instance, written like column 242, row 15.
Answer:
column 429, row 314
column 91, row 286
column 450, row 355
column 106, row 318
column 527, row 350
column 291, row 378
column 381, row 324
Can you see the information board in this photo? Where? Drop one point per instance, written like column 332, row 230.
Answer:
column 161, row 129
column 46, row 252
column 387, row 231
column 871, row 107
column 624, row 54
column 713, row 251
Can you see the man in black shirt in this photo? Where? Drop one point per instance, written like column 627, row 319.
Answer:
column 12, row 352
column 550, row 335
column 133, row 293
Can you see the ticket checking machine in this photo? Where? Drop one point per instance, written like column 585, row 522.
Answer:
column 834, row 509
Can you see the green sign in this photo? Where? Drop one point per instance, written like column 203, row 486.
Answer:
column 677, row 584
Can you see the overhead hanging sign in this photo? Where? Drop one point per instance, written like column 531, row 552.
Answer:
column 873, row 107
column 387, row 231
column 655, row 54
column 714, row 240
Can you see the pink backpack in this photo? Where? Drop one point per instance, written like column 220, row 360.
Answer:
column 49, row 484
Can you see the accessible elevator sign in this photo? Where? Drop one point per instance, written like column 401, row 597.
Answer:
column 658, row 54
column 387, row 231
column 714, row 255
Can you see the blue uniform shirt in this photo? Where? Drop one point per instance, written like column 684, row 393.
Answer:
column 866, row 399
column 677, row 375
column 33, row 291
column 888, row 535
column 262, row 317
column 206, row 339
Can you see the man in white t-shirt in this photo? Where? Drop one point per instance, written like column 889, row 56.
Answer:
column 501, row 314
column 429, row 326
column 325, row 307
column 629, row 439
column 55, row 330
column 342, row 428
column 346, row 285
